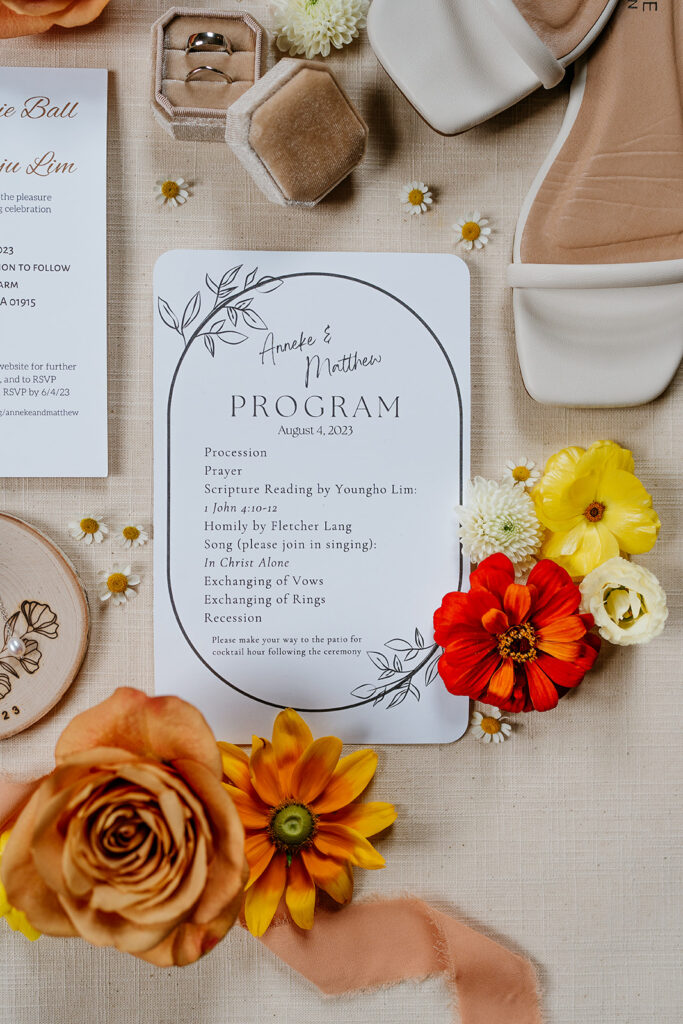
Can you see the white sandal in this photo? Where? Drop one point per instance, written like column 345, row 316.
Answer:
column 598, row 253
column 460, row 62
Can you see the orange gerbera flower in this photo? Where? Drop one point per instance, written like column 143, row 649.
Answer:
column 303, row 829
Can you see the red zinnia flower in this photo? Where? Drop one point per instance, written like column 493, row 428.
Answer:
column 518, row 647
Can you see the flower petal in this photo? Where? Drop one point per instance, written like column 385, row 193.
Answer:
column 300, row 894
column 349, row 779
column 235, row 766
column 495, row 573
column 314, row 768
column 346, row 844
column 366, row 819
column 543, row 694
column 466, row 678
column 262, row 899
column 332, row 876
column 259, row 852
column 495, row 621
column 291, row 736
column 502, row 681
column 252, row 814
column 517, row 602
column 263, row 772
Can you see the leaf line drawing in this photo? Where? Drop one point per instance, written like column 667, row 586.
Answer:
column 397, row 677
column 33, row 620
column 228, row 310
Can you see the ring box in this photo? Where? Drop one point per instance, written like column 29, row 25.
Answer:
column 195, row 111
column 297, row 132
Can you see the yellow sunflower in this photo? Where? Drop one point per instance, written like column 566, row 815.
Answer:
column 594, row 507
column 295, row 797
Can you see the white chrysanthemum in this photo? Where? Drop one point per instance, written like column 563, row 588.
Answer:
column 522, row 471
column 89, row 529
column 312, row 26
column 500, row 517
column 416, row 197
column 626, row 601
column 489, row 726
column 116, row 584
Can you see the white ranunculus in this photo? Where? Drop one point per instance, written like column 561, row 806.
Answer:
column 626, row 601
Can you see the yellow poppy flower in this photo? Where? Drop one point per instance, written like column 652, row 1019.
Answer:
column 594, row 507
column 303, row 829
column 16, row 919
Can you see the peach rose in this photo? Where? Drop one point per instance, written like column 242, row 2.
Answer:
column 29, row 17
column 132, row 841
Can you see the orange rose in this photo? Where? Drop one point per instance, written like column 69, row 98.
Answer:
column 29, row 17
column 132, row 841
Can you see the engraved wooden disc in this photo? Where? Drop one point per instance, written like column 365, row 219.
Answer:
column 48, row 610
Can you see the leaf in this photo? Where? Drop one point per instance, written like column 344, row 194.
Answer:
column 226, row 280
column 232, row 337
column 268, row 284
column 5, row 686
column 388, row 672
column 413, row 653
column 398, row 664
column 244, row 303
column 250, row 278
column 217, row 327
column 168, row 316
column 415, row 692
column 232, row 314
column 419, row 639
column 252, row 319
column 211, row 284
column 379, row 699
column 399, row 645
column 11, row 625
column 8, row 667
column 366, row 690
column 210, row 343
column 192, row 310
column 398, row 698
column 379, row 660
column 432, row 672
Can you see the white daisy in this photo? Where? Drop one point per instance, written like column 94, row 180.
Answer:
column 133, row 536
column 172, row 190
column 312, row 26
column 416, row 197
column 489, row 726
column 117, row 584
column 89, row 529
column 522, row 471
column 473, row 231
column 500, row 517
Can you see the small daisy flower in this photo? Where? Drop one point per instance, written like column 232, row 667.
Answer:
column 473, row 231
column 133, row 536
column 172, row 190
column 90, row 530
column 117, row 584
column 489, row 726
column 416, row 197
column 522, row 471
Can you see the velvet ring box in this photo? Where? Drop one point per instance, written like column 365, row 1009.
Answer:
column 296, row 132
column 195, row 111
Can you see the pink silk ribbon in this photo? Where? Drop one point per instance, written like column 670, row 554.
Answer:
column 370, row 945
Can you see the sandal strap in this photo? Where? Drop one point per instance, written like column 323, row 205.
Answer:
column 528, row 45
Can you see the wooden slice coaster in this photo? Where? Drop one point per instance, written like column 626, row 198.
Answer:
column 48, row 610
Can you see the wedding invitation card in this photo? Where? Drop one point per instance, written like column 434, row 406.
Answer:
column 53, row 277
column 311, row 443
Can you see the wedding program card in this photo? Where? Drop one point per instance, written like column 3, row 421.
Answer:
column 311, row 443
column 53, row 286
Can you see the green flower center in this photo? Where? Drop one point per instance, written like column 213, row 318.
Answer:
column 291, row 826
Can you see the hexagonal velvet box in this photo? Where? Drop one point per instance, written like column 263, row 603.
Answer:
column 297, row 132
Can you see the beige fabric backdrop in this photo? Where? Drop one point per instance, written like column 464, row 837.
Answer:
column 566, row 840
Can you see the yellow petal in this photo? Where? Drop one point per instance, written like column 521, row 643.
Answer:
column 262, row 899
column 314, row 768
column 291, row 736
column 332, row 876
column 252, row 814
column 366, row 819
column 263, row 772
column 346, row 844
column 259, row 852
column 300, row 894
column 628, row 512
column 606, row 455
column 349, row 779
column 235, row 765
